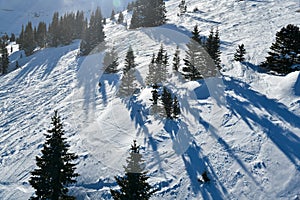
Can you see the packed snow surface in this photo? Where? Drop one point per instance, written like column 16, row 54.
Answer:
column 242, row 127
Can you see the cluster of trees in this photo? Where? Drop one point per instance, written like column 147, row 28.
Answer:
column 56, row 170
column 199, row 53
column 147, row 13
column 120, row 19
column 169, row 101
column 4, row 60
column 62, row 31
column 284, row 54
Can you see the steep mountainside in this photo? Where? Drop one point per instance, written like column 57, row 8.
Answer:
column 243, row 126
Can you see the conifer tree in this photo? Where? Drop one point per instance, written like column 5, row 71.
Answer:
column 28, row 42
column 112, row 15
column 194, row 60
column 128, row 82
column 240, row 53
column 152, row 72
column 285, row 52
column 167, row 102
column 41, row 35
column 54, row 31
column 176, row 60
column 176, row 108
column 133, row 185
column 155, row 95
column 120, row 18
column 56, row 169
column 213, row 47
column 110, row 61
column 182, row 7
column 94, row 35
column 4, row 58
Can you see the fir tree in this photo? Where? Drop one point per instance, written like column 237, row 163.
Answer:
column 167, row 102
column 176, row 60
column 120, row 18
column 285, row 52
column 240, row 53
column 182, row 7
column 54, row 31
column 112, row 15
column 28, row 43
column 134, row 185
column 41, row 35
column 128, row 82
column 212, row 46
column 155, row 95
column 94, row 34
column 110, row 61
column 4, row 58
column 152, row 72
column 194, row 59
column 176, row 108
column 56, row 169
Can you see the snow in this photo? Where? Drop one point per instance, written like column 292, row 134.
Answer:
column 243, row 126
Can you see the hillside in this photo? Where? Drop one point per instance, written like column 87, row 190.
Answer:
column 243, row 126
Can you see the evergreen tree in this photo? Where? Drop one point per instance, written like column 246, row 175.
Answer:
column 176, row 60
column 285, row 52
column 28, row 43
column 120, row 18
column 240, row 53
column 4, row 60
column 167, row 102
column 56, row 169
column 94, row 35
column 54, row 33
column 152, row 72
column 182, row 7
column 110, row 61
column 148, row 13
column 176, row 108
column 194, row 59
column 155, row 95
column 12, row 37
column 41, row 34
column 134, row 185
column 213, row 47
column 128, row 82
column 112, row 16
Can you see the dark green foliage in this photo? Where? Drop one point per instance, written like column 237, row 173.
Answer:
column 285, row 52
column 120, row 18
column 28, row 42
column 4, row 60
column 158, row 68
column 54, row 32
column 110, row 61
column 128, row 81
column 167, row 102
column 194, row 60
column 112, row 15
column 176, row 108
column 155, row 95
column 182, row 7
column 212, row 47
column 134, row 185
column 176, row 60
column 41, row 35
column 94, row 35
column 56, row 169
column 148, row 13
column 240, row 53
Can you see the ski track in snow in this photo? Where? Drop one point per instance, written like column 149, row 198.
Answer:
column 243, row 127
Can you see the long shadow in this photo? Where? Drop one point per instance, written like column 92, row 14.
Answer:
column 138, row 114
column 111, row 80
column 196, row 164
column 284, row 139
column 297, row 86
column 203, row 20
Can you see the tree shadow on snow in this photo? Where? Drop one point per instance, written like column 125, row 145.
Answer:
column 111, row 80
column 283, row 138
column 196, row 163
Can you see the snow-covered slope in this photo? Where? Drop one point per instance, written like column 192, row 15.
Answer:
column 242, row 127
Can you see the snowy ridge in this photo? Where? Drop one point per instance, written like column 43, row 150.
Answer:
column 242, row 127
